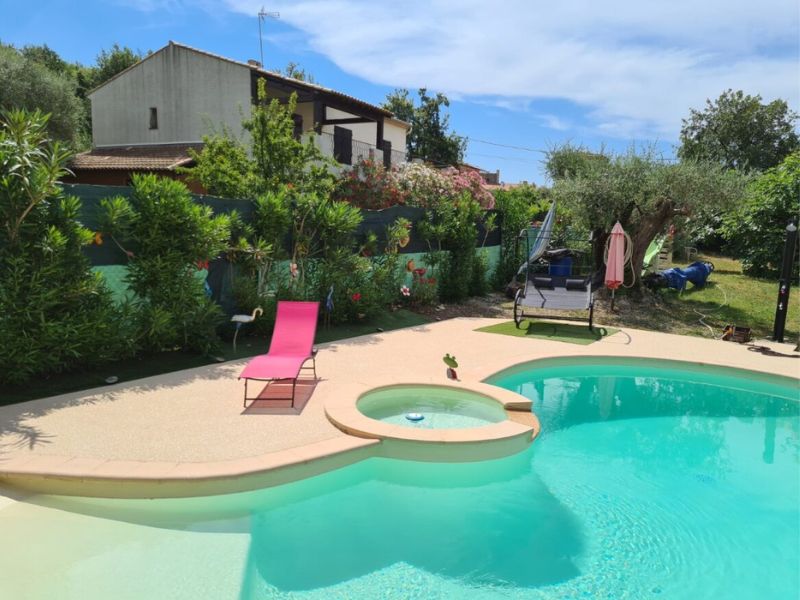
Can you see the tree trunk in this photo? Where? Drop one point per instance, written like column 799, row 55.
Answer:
column 599, row 238
column 650, row 225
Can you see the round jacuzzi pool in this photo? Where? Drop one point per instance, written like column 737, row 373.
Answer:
column 430, row 407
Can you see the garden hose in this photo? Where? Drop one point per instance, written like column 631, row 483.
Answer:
column 704, row 316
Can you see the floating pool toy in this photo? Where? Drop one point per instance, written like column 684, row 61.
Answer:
column 415, row 417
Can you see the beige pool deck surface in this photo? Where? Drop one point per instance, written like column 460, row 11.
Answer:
column 189, row 428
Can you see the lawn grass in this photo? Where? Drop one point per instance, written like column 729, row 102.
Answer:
column 729, row 298
column 732, row 298
column 166, row 362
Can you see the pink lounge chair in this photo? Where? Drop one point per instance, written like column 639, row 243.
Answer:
column 291, row 346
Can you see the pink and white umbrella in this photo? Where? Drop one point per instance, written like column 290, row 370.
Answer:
column 615, row 260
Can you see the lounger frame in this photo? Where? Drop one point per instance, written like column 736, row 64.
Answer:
column 312, row 358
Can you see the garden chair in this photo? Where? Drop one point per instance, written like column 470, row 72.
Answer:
column 292, row 345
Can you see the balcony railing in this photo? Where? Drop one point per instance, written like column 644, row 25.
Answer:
column 359, row 151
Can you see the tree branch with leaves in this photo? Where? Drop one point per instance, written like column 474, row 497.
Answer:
column 642, row 191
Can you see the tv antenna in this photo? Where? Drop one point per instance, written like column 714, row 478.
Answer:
column 262, row 15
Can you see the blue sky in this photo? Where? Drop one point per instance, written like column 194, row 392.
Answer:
column 525, row 73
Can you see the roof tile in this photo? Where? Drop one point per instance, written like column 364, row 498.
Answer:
column 151, row 157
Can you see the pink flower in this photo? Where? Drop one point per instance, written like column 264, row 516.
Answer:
column 405, row 291
column 355, row 297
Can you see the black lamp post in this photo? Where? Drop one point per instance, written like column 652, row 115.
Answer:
column 785, row 282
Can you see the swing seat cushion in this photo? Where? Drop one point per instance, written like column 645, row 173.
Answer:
column 576, row 285
column 543, row 283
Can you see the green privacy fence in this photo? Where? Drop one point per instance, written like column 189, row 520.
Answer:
column 115, row 274
column 374, row 221
column 109, row 260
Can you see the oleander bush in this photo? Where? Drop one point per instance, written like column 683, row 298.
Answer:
column 167, row 238
column 55, row 314
column 370, row 185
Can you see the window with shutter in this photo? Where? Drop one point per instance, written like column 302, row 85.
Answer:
column 298, row 126
column 343, row 145
column 387, row 154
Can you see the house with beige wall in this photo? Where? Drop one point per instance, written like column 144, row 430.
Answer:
column 149, row 115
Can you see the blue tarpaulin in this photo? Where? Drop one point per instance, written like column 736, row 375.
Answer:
column 697, row 273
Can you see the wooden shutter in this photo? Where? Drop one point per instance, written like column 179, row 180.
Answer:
column 387, row 154
column 343, row 145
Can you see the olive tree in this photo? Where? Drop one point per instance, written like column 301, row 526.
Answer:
column 644, row 193
column 28, row 84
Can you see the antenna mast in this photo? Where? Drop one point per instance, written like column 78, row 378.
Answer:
column 262, row 14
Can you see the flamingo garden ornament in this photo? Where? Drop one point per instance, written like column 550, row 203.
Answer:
column 242, row 319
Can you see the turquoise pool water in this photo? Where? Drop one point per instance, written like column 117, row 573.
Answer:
column 440, row 407
column 646, row 482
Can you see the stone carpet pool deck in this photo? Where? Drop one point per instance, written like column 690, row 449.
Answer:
column 191, row 425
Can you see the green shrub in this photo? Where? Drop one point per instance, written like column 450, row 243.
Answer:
column 518, row 207
column 479, row 285
column 450, row 225
column 166, row 234
column 363, row 286
column 267, row 159
column 424, row 289
column 55, row 314
column 756, row 230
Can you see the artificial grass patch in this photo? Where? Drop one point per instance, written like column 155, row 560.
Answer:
column 561, row 332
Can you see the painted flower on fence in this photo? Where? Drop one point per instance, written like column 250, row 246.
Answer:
column 405, row 291
column 355, row 297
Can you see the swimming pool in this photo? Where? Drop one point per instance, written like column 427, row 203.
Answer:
column 649, row 480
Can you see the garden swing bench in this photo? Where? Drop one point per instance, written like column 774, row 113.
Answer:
column 560, row 279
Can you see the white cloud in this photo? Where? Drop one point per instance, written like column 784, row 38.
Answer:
column 634, row 66
column 554, row 122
